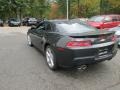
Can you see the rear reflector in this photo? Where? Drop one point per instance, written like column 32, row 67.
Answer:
column 79, row 43
column 60, row 49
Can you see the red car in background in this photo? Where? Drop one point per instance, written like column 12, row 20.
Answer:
column 104, row 21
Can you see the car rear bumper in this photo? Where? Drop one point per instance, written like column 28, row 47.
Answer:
column 93, row 59
column 77, row 57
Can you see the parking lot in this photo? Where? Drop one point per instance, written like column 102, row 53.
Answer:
column 24, row 68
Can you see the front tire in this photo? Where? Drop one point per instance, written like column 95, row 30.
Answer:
column 29, row 41
column 50, row 58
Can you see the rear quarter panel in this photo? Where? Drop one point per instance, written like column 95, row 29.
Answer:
column 52, row 38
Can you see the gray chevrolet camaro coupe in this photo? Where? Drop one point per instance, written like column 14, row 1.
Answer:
column 71, row 43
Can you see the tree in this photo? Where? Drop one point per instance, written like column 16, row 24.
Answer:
column 43, row 8
column 21, row 8
column 62, row 8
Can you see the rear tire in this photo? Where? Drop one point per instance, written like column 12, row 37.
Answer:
column 50, row 58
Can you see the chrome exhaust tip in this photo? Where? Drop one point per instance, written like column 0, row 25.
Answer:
column 82, row 67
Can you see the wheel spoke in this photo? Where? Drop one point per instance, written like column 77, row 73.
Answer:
column 49, row 57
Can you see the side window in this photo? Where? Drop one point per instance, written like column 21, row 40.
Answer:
column 40, row 27
column 114, row 19
column 48, row 26
column 107, row 19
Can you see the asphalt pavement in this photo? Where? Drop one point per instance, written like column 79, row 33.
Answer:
column 24, row 68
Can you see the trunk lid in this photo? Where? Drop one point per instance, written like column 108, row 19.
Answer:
column 92, row 33
column 96, row 37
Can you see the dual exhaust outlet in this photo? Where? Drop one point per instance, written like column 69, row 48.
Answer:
column 82, row 67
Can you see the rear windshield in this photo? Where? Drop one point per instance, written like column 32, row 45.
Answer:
column 74, row 27
column 96, row 18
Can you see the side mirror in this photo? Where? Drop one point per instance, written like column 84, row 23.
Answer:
column 33, row 27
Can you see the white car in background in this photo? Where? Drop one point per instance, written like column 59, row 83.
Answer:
column 84, row 20
column 117, row 33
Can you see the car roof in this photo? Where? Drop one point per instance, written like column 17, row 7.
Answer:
column 58, row 20
column 62, row 21
column 109, row 15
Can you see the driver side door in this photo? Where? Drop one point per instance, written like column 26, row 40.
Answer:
column 38, row 35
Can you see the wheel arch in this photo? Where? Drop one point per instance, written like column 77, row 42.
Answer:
column 45, row 46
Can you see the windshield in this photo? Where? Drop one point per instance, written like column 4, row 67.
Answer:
column 96, row 18
column 32, row 19
column 74, row 27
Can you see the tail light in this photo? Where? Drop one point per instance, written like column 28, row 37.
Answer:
column 83, row 43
